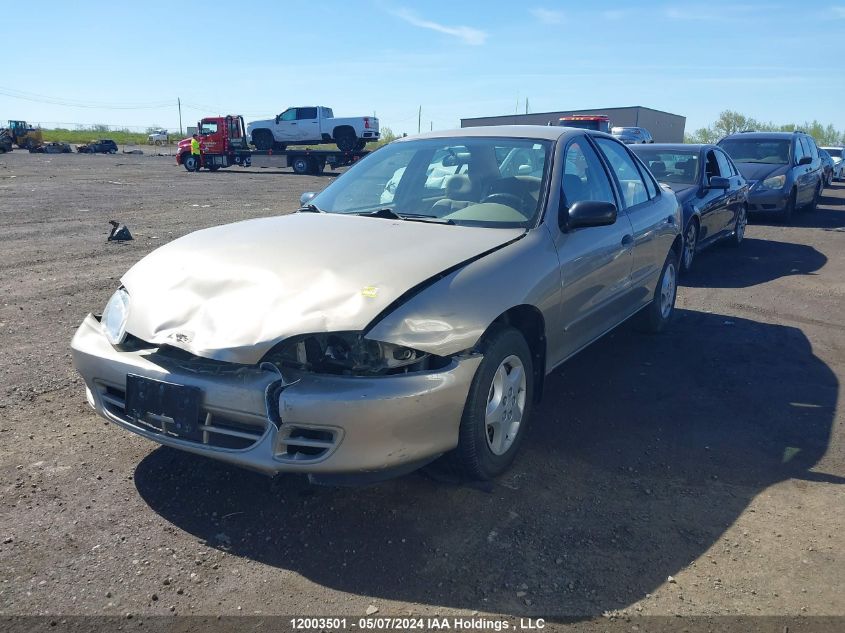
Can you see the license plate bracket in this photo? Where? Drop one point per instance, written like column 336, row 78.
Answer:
column 180, row 403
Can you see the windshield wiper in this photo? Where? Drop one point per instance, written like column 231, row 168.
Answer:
column 310, row 208
column 386, row 212
column 390, row 214
column 419, row 217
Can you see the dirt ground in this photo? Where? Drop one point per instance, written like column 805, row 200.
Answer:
column 698, row 472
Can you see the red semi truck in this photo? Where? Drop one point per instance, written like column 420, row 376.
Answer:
column 223, row 143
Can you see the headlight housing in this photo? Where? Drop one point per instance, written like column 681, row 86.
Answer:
column 775, row 182
column 114, row 317
column 349, row 353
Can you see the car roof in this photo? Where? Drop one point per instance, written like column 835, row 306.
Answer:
column 673, row 146
column 763, row 135
column 539, row 132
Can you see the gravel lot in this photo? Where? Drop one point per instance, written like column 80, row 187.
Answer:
column 698, row 473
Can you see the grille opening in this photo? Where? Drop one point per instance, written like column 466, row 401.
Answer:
column 300, row 444
column 211, row 429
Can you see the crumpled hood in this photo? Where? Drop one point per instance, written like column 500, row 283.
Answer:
column 232, row 292
column 760, row 171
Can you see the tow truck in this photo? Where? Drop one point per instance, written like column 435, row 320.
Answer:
column 223, row 143
column 597, row 122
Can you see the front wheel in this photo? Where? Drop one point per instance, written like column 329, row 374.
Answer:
column 814, row 203
column 498, row 406
column 657, row 316
column 690, row 244
column 789, row 209
column 739, row 227
column 263, row 139
column 191, row 163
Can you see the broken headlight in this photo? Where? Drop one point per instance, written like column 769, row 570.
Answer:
column 348, row 353
column 114, row 317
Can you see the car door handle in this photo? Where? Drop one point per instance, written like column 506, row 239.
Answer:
column 628, row 241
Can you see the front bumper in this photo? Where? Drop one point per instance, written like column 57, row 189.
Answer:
column 767, row 200
column 306, row 423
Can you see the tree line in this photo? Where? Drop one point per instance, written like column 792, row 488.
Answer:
column 730, row 122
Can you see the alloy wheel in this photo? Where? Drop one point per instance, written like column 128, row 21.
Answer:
column 505, row 405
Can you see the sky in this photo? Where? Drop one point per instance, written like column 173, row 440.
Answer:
column 126, row 64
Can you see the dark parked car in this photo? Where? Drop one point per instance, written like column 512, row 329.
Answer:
column 102, row 146
column 709, row 187
column 783, row 168
column 53, row 147
column 828, row 167
column 632, row 135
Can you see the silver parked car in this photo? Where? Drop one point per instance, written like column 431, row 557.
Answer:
column 632, row 135
column 365, row 339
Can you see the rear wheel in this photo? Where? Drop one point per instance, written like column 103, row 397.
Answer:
column 301, row 165
column 263, row 139
column 361, row 144
column 690, row 244
column 346, row 140
column 498, row 406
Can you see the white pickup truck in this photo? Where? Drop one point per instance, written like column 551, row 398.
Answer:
column 313, row 125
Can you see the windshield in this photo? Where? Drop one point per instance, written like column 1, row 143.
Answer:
column 494, row 182
column 675, row 166
column 208, row 127
column 747, row 150
column 835, row 152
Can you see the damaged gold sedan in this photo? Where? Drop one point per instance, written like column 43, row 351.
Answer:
column 410, row 310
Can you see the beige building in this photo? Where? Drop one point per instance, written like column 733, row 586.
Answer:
column 665, row 127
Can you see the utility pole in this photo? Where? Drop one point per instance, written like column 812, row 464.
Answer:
column 179, row 103
column 431, row 125
column 526, row 105
column 419, row 121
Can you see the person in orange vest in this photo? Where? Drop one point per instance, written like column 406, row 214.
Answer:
column 195, row 151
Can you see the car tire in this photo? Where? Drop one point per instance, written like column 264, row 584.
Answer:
column 158, row 143
column 191, row 163
column 657, row 316
column 263, row 139
column 690, row 244
column 346, row 140
column 360, row 145
column 301, row 165
column 740, row 226
column 498, row 406
column 814, row 203
column 789, row 209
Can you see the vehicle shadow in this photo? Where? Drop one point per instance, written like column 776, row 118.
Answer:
column 644, row 451
column 755, row 262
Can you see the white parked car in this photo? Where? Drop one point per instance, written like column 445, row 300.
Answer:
column 159, row 137
column 313, row 125
column 838, row 156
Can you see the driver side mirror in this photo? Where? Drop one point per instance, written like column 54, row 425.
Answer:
column 306, row 197
column 718, row 182
column 805, row 160
column 586, row 213
column 277, row 119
